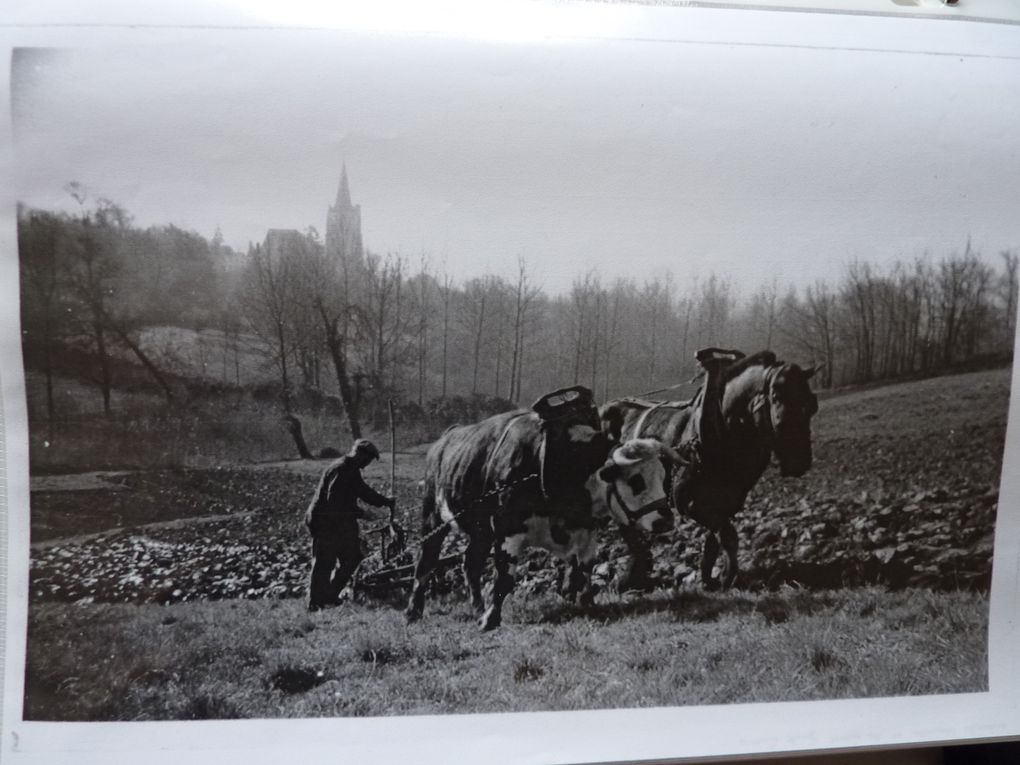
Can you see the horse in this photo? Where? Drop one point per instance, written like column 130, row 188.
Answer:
column 746, row 411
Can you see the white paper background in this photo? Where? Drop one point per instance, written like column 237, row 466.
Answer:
column 524, row 738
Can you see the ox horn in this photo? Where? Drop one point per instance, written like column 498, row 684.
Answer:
column 674, row 456
column 623, row 460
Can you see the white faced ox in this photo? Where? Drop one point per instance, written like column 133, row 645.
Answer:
column 513, row 481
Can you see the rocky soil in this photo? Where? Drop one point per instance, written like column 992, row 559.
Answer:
column 903, row 492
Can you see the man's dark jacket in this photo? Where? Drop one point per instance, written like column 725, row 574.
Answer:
column 335, row 504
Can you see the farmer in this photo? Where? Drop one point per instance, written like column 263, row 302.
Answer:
column 332, row 519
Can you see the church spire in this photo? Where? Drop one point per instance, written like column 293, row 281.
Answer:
column 343, row 194
column 343, row 225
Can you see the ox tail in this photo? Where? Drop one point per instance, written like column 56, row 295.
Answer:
column 429, row 508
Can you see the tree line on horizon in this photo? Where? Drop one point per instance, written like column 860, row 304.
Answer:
column 365, row 330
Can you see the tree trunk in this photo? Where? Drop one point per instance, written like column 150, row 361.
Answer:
column 446, row 329
column 50, row 406
column 104, row 365
column 284, row 378
column 294, row 427
column 146, row 362
column 334, row 343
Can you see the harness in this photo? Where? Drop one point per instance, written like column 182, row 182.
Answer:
column 632, row 515
column 763, row 398
column 502, row 438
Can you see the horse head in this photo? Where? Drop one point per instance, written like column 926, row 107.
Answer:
column 781, row 403
column 791, row 405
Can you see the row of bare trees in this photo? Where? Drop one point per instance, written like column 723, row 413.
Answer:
column 91, row 282
column 388, row 332
column 367, row 329
column 417, row 335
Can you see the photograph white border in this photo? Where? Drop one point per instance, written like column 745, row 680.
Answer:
column 552, row 737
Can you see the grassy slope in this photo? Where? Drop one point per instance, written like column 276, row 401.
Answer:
column 268, row 659
column 936, row 444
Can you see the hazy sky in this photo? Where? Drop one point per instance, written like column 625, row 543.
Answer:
column 629, row 157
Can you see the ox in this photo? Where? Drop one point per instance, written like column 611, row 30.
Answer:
column 535, row 478
column 748, row 408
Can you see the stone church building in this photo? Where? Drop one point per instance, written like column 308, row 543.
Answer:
column 343, row 230
column 343, row 225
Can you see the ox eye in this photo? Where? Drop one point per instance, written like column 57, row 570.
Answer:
column 637, row 484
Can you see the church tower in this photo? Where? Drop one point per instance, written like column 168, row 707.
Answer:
column 343, row 225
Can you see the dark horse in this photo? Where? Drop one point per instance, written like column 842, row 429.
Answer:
column 748, row 408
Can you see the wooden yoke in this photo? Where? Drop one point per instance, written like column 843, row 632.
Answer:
column 564, row 465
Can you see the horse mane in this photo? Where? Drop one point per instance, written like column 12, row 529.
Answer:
column 761, row 358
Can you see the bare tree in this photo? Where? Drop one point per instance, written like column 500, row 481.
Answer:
column 422, row 330
column 476, row 305
column 268, row 297
column 1008, row 293
column 447, row 292
column 582, row 299
column 811, row 323
column 525, row 295
column 614, row 318
column 39, row 246
column 382, row 322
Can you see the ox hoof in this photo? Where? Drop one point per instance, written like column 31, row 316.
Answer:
column 490, row 620
column 412, row 615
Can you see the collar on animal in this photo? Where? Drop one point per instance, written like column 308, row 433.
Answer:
column 762, row 399
column 632, row 515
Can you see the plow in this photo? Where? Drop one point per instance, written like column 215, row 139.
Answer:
column 389, row 567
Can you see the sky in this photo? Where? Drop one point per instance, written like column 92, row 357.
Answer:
column 631, row 158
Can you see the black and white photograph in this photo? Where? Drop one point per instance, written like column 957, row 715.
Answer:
column 372, row 376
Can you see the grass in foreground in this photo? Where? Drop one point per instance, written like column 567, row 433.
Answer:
column 239, row 659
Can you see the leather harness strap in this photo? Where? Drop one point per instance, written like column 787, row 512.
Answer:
column 762, row 399
column 502, row 438
column 631, row 515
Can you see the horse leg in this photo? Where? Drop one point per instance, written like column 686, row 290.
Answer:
column 475, row 555
column 729, row 539
column 506, row 564
column 427, row 561
column 708, row 557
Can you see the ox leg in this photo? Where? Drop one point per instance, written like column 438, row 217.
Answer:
column 475, row 555
column 709, row 555
column 574, row 580
column 506, row 564
column 638, row 574
column 729, row 539
column 586, row 597
column 428, row 558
